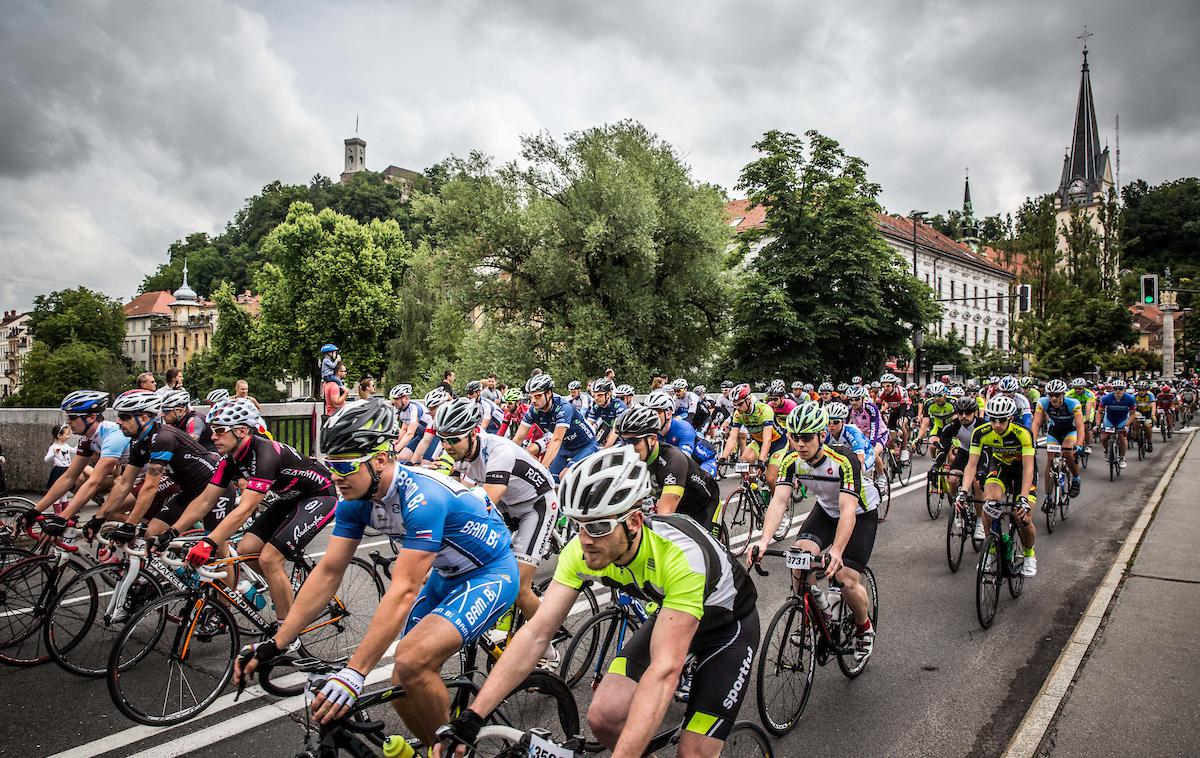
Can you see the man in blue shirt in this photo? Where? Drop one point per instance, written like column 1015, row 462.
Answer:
column 679, row 433
column 570, row 437
column 440, row 525
column 1115, row 408
column 604, row 410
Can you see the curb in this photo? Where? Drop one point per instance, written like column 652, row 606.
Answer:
column 1032, row 729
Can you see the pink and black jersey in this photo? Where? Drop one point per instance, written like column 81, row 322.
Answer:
column 271, row 466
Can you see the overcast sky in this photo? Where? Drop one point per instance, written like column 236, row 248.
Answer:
column 126, row 125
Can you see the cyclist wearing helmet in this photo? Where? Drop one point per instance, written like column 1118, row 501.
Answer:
column 302, row 501
column 679, row 433
column 865, row 415
column 722, row 412
column 1145, row 411
column 680, row 485
column 412, row 418
column 1010, row 387
column 686, row 402
column 571, row 439
column 756, row 421
column 708, row 610
column 605, row 409
column 845, row 519
column 778, row 399
column 825, row 393
column 1064, row 417
column 701, row 418
column 1011, row 470
column 578, row 398
column 939, row 411
column 517, row 483
column 440, row 525
column 178, row 470
column 1165, row 404
column 624, row 393
column 1115, row 409
column 891, row 400
column 103, row 447
column 216, row 396
column 842, row 434
column 514, row 411
column 958, row 432
column 427, row 447
column 799, row 396
column 492, row 414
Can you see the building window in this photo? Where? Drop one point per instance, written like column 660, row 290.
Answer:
column 976, row 301
column 1000, row 304
column 986, row 335
column 1000, row 338
column 939, row 286
column 975, row 341
column 143, row 346
column 952, row 288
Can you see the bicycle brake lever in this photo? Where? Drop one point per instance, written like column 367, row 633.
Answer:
column 756, row 562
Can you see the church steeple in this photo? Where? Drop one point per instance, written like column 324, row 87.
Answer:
column 970, row 228
column 1086, row 167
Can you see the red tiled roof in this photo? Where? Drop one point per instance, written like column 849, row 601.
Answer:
column 745, row 215
column 156, row 303
column 998, row 257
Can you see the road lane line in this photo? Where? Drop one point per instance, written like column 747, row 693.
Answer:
column 1032, row 729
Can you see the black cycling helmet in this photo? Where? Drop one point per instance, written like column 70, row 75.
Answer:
column 637, row 420
column 360, row 429
column 964, row 404
column 473, row 387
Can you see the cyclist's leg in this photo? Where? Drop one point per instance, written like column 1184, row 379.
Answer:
column 305, row 521
column 857, row 554
column 779, row 449
column 534, row 521
column 724, row 657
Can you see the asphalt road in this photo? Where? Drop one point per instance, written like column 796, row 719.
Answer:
column 937, row 685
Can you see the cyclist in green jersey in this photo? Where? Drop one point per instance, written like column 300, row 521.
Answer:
column 1080, row 392
column 707, row 608
column 939, row 411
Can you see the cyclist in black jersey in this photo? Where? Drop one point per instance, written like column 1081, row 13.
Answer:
column 177, row 469
column 680, row 485
column 177, row 411
column 302, row 497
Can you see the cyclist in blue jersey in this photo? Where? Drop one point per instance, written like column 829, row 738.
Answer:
column 1115, row 408
column 679, row 433
column 103, row 446
column 440, row 525
column 841, row 434
column 604, row 410
column 570, row 437
column 686, row 403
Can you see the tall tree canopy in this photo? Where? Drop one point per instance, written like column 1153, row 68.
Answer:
column 825, row 295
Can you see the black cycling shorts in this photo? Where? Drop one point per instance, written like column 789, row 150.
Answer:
column 721, row 677
column 1007, row 475
column 177, row 502
column 894, row 416
column 291, row 525
column 958, row 459
column 820, row 527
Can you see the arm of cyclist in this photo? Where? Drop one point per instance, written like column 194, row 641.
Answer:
column 401, row 445
column 774, row 516
column 103, row 468
column 423, row 444
column 197, row 509
column 408, row 574
column 145, row 497
column 521, row 654
column 673, row 633
column 554, row 444
column 64, row 483
column 202, row 551
column 847, row 516
column 522, row 433
column 315, row 593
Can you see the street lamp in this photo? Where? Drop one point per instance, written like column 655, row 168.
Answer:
column 916, row 217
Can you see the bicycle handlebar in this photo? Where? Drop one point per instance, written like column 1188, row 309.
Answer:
column 201, row 570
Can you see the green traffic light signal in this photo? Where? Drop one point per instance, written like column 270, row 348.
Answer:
column 1149, row 299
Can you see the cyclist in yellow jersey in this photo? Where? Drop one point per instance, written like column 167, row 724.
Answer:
column 1011, row 470
column 1080, row 392
column 757, row 421
column 1145, row 406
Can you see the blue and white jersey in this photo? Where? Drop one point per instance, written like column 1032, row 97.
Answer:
column 685, row 407
column 424, row 510
column 105, row 440
column 562, row 413
column 1116, row 410
column 683, row 435
column 853, row 438
column 417, row 412
column 606, row 415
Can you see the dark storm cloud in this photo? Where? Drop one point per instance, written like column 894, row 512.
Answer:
column 128, row 125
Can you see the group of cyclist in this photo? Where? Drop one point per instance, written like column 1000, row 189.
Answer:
column 470, row 489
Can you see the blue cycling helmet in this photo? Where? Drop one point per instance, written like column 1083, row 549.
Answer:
column 329, row 347
column 84, row 401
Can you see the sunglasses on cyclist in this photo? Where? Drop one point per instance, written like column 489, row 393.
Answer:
column 451, row 440
column 75, row 416
column 219, row 431
column 805, row 437
column 347, row 466
column 601, row 527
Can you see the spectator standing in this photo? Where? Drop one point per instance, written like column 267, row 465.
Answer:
column 335, row 391
column 59, row 455
column 330, row 358
column 448, row 382
column 145, row 381
column 174, row 378
column 490, row 392
column 241, row 388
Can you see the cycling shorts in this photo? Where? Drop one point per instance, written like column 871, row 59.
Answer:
column 820, row 527
column 1109, row 426
column 531, row 523
column 471, row 602
column 958, row 459
column 1007, row 475
column 1061, row 435
column 894, row 415
column 721, row 679
column 175, row 503
column 566, row 457
column 775, row 455
column 291, row 525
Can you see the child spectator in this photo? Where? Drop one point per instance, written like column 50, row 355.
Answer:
column 59, row 454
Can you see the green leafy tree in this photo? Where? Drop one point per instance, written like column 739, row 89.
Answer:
column 78, row 315
column 51, row 373
column 949, row 349
column 1078, row 330
column 602, row 242
column 825, row 295
column 328, row 278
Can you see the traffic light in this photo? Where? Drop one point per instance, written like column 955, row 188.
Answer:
column 1149, row 289
column 1024, row 297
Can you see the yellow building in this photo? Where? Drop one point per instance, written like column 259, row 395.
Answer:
column 165, row 329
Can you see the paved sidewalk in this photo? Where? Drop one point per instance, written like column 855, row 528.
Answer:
column 1137, row 692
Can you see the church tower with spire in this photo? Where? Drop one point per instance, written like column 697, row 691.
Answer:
column 970, row 226
column 1087, row 174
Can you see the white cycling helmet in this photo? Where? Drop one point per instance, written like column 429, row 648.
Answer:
column 609, row 483
column 679, row 384
column 602, row 385
column 216, row 396
column 623, row 390
column 457, row 418
column 1009, row 384
column 856, row 392
column 935, row 389
column 138, row 401
column 1078, row 383
column 173, row 399
column 837, row 411
column 539, row 383
column 825, row 387
column 955, row 392
column 399, row 391
column 1001, row 407
column 436, row 397
column 889, row 379
column 659, row 400
column 1056, row 387
column 234, row 411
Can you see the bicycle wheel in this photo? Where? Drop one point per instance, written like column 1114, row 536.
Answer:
column 956, row 538
column 25, row 588
column 81, row 623
column 904, row 475
column 885, row 501
column 1064, row 505
column 738, row 519
column 161, row 672
column 1050, row 505
column 747, row 740
column 1016, row 580
column 1112, row 462
column 922, row 446
column 846, row 662
column 11, row 507
column 594, row 646
column 987, row 581
column 344, row 621
column 1162, row 428
column 933, row 500
column 541, row 700
column 1083, row 458
column 1141, row 448
column 786, row 665
column 972, row 518
column 585, row 608
column 13, row 554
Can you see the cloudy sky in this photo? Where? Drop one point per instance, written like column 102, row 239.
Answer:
column 126, row 125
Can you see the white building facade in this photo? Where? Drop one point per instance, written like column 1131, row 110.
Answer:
column 15, row 344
